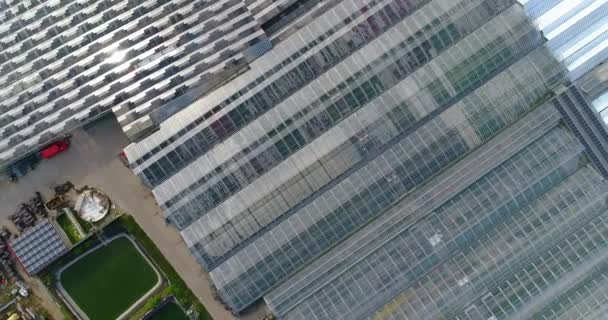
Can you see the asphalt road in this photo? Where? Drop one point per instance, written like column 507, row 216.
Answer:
column 93, row 160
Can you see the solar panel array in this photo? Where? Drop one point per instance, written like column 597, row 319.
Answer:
column 38, row 247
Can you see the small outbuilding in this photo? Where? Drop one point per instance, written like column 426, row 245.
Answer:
column 38, row 247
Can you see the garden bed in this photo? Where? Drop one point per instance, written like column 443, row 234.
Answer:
column 69, row 228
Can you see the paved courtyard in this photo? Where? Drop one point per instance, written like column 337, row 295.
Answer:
column 93, row 160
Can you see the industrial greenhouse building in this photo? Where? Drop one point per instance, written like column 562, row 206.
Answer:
column 345, row 159
column 397, row 158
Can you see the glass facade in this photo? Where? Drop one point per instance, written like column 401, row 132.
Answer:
column 350, row 201
column 382, row 140
column 462, row 244
column 268, row 91
column 513, row 268
column 381, row 97
column 524, row 239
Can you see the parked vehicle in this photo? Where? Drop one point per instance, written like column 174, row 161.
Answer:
column 54, row 149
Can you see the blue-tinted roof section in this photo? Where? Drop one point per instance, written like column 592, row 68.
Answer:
column 38, row 247
column 576, row 30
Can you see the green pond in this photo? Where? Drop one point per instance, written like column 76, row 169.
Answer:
column 107, row 281
column 170, row 311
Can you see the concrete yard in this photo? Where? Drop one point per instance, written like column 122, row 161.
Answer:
column 93, row 160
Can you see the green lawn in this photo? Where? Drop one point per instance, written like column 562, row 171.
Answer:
column 108, row 281
column 170, row 311
column 69, row 228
